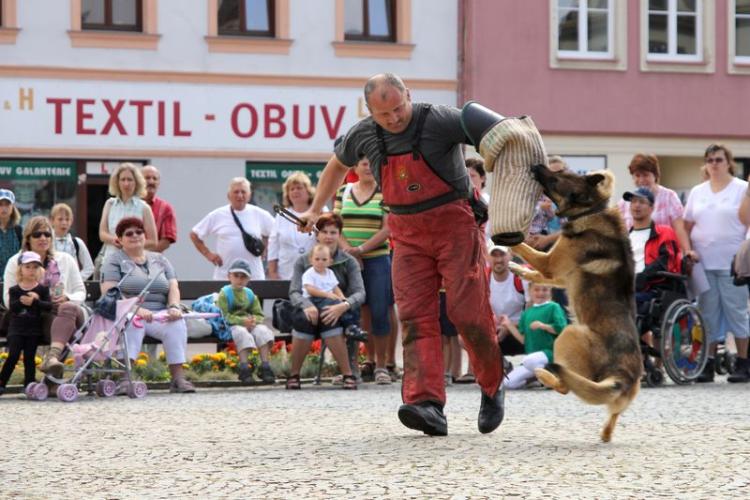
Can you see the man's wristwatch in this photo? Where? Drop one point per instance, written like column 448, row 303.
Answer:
column 348, row 304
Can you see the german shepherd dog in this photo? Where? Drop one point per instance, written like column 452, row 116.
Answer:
column 598, row 357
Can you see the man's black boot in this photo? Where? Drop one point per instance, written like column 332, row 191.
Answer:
column 491, row 411
column 741, row 372
column 427, row 417
column 707, row 375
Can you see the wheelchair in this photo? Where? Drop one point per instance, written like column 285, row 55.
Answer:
column 679, row 333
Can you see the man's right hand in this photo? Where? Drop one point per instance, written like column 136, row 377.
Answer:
column 309, row 217
column 215, row 259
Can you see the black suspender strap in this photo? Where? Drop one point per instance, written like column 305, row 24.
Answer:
column 381, row 143
column 418, row 132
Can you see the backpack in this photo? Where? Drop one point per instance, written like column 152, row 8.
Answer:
column 219, row 327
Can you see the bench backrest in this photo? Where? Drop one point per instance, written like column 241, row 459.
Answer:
column 192, row 289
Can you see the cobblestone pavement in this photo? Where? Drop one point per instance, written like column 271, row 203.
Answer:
column 674, row 442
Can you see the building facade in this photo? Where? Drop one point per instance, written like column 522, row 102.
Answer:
column 206, row 90
column 605, row 79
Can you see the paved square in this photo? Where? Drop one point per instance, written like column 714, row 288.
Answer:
column 686, row 442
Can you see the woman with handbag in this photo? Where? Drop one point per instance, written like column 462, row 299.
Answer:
column 241, row 232
column 160, row 312
column 67, row 291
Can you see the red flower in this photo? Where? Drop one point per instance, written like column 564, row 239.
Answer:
column 277, row 346
column 315, row 347
column 289, row 347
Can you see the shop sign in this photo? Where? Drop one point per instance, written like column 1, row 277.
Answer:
column 64, row 171
column 278, row 172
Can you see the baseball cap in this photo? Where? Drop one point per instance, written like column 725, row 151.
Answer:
column 28, row 257
column 7, row 194
column 240, row 266
column 502, row 248
column 641, row 192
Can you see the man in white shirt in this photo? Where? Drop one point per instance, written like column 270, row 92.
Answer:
column 507, row 297
column 229, row 243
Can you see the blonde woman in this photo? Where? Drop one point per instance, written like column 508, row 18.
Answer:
column 11, row 232
column 127, row 187
column 286, row 243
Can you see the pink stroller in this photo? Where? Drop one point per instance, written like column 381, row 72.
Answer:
column 97, row 349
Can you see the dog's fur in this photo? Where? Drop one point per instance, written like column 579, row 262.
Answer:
column 598, row 356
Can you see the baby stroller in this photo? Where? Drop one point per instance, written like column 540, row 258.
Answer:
column 96, row 347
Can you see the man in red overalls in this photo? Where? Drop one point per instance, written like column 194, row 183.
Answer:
column 415, row 154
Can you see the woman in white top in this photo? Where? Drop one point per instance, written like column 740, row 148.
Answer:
column 286, row 243
column 67, row 291
column 61, row 217
column 717, row 214
column 127, row 187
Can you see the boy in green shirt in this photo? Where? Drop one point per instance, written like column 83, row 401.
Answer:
column 243, row 312
column 537, row 330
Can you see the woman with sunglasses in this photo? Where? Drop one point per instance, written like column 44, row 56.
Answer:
column 67, row 291
column 160, row 311
column 717, row 215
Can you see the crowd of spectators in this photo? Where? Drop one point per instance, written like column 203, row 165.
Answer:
column 353, row 239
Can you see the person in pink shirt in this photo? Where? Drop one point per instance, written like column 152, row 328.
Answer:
column 668, row 210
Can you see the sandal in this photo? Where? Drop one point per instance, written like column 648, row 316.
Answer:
column 293, row 383
column 394, row 372
column 350, row 383
column 466, row 378
column 367, row 371
column 382, row 377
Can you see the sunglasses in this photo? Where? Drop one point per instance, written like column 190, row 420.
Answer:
column 134, row 232
column 714, row 160
column 39, row 234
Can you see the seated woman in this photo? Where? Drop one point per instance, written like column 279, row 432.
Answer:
column 67, row 291
column 162, row 296
column 347, row 272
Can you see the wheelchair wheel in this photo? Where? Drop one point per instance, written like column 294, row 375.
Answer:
column 683, row 342
column 654, row 378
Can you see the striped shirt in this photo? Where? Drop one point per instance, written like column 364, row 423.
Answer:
column 118, row 210
column 362, row 220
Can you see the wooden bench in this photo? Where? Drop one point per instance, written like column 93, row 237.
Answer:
column 192, row 289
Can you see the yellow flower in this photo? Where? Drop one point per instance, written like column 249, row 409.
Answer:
column 162, row 356
column 185, row 366
column 37, row 360
column 215, row 368
column 69, row 361
column 141, row 362
column 196, row 359
column 218, row 357
column 143, row 355
column 3, row 355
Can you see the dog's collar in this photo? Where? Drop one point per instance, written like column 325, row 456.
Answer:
column 596, row 208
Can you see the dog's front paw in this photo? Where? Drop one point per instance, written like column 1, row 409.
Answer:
column 518, row 269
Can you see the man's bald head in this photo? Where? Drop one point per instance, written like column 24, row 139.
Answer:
column 381, row 83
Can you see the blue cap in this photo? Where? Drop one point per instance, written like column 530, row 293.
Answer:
column 7, row 194
column 641, row 192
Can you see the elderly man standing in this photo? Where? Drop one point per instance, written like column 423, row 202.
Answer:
column 222, row 224
column 415, row 154
column 166, row 222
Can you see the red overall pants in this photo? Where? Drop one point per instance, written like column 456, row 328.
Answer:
column 438, row 244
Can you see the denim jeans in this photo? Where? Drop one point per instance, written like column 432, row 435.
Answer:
column 376, row 274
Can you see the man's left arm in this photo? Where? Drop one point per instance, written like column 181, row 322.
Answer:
column 667, row 253
column 166, row 229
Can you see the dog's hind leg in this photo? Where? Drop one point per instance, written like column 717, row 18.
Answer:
column 609, row 427
column 551, row 380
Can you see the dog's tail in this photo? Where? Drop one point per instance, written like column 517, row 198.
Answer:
column 595, row 393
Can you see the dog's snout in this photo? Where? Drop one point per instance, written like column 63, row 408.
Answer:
column 538, row 171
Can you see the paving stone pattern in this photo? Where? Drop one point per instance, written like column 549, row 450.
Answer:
column 674, row 442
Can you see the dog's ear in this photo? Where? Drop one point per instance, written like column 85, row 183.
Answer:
column 594, row 179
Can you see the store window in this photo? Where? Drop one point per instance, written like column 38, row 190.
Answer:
column 370, row 20
column 112, row 15
column 39, row 184
column 674, row 29
column 584, row 28
column 742, row 31
column 246, row 17
column 267, row 180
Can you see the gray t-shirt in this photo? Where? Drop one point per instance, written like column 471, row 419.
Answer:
column 442, row 136
column 116, row 265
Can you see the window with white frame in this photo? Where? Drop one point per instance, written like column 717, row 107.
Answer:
column 675, row 30
column 742, row 30
column 584, row 28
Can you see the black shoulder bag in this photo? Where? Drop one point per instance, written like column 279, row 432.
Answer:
column 254, row 245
